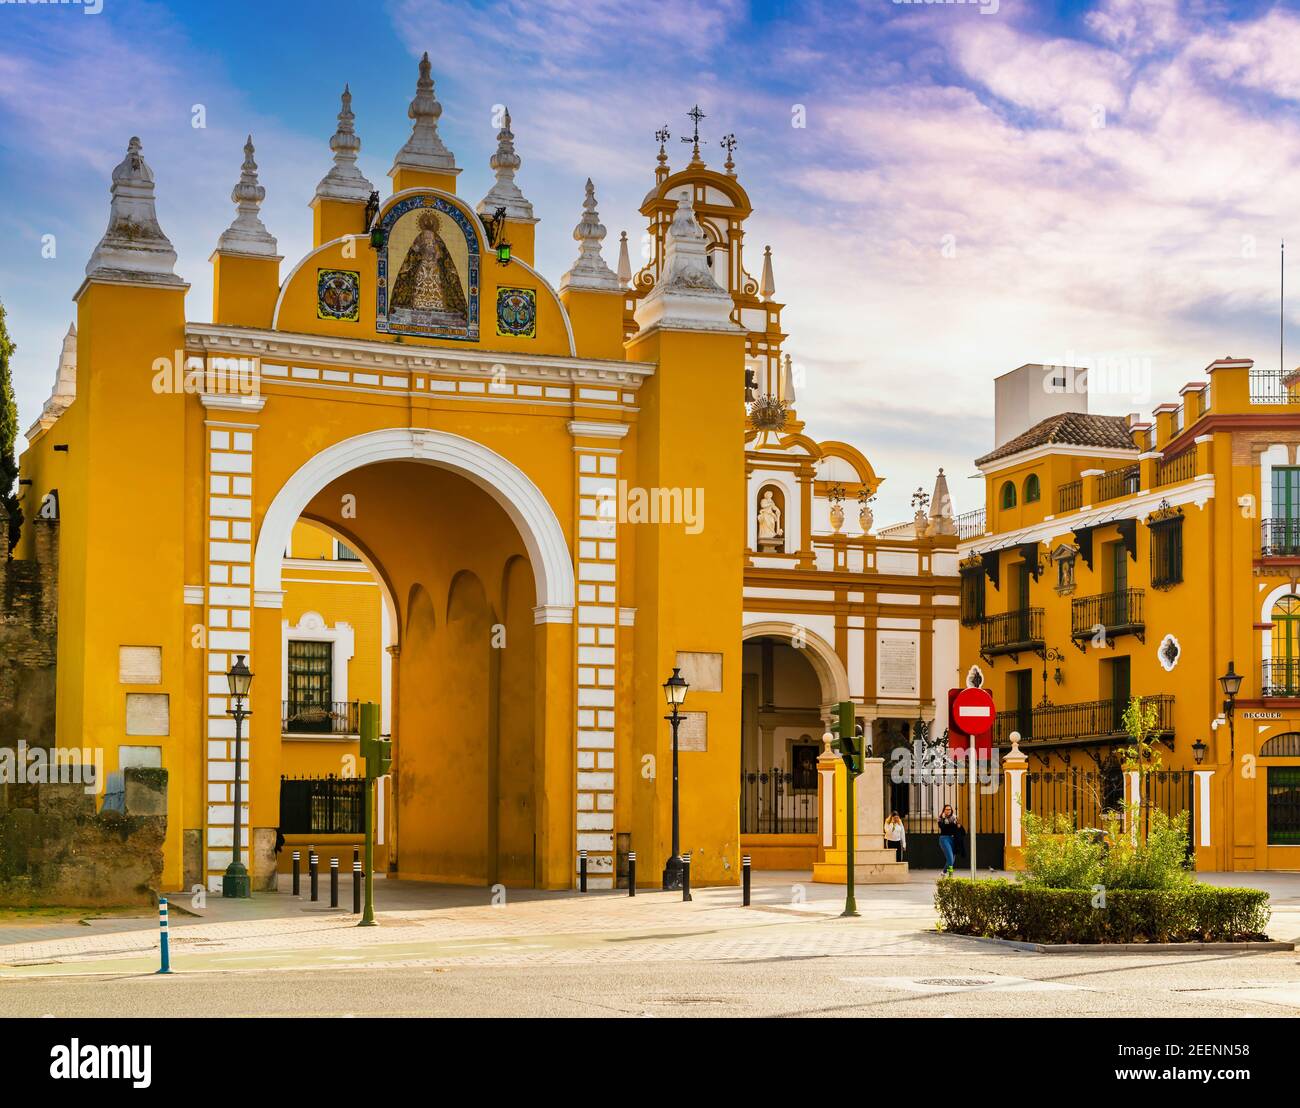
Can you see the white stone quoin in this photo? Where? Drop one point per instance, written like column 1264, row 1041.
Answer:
column 505, row 193
column 248, row 234
column 345, row 181
column 424, row 149
column 590, row 270
column 686, row 295
column 134, row 247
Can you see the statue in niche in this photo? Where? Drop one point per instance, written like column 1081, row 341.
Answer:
column 427, row 281
column 770, row 535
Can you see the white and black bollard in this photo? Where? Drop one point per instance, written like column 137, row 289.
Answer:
column 744, row 880
column 686, row 877
column 297, row 864
column 312, row 862
column 166, row 966
column 582, row 871
column 631, row 873
column 334, row 882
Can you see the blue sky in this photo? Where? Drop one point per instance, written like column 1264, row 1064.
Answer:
column 1100, row 183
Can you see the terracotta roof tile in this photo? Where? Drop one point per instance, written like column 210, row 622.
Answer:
column 1068, row 429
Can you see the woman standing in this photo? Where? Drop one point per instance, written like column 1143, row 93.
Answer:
column 950, row 829
column 896, row 835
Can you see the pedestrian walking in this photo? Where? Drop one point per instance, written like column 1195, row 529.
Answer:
column 896, row 836
column 950, row 830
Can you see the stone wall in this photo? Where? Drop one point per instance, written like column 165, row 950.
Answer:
column 56, row 848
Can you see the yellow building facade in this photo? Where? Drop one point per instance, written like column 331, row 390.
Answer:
column 549, row 487
column 1123, row 556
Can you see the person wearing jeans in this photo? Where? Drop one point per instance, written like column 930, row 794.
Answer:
column 949, row 830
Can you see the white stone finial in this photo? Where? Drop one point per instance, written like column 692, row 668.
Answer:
column 345, row 181
column 767, row 287
column 65, row 386
column 624, row 261
column 686, row 296
column 424, row 149
column 590, row 270
column 134, row 246
column 505, row 193
column 247, row 234
column 943, row 520
column 787, row 381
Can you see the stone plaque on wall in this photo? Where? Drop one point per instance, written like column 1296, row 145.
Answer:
column 898, row 664
column 702, row 670
column 139, row 665
column 693, row 732
column 147, row 714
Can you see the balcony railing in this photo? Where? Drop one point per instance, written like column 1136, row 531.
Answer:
column 337, row 718
column 1279, row 538
column 1267, row 387
column 1012, row 632
column 1107, row 615
column 970, row 525
column 1069, row 497
column 1175, row 470
column 1091, row 719
column 1280, row 678
column 1115, row 483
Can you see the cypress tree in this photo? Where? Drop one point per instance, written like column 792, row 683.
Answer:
column 8, row 437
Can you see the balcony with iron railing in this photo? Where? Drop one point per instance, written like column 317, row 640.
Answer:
column 1080, row 722
column 339, row 717
column 1280, row 678
column 1069, row 497
column 1105, row 616
column 1279, row 538
column 1174, row 471
column 1115, row 483
column 1012, row 633
column 970, row 525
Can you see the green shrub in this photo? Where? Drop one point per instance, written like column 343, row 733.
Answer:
column 1157, row 861
column 1190, row 912
column 1059, row 856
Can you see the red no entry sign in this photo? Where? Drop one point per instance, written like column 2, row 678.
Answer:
column 971, row 712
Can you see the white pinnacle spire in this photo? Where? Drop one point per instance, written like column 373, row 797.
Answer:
column 686, row 295
column 345, row 181
column 65, row 386
column 590, row 270
column 767, row 288
column 505, row 193
column 248, row 235
column 424, row 149
column 942, row 518
column 624, row 261
column 134, row 246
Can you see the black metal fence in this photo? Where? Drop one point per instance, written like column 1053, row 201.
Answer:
column 1179, row 468
column 1115, row 612
column 1279, row 538
column 1280, row 678
column 919, row 803
column 323, row 806
column 771, row 804
column 1012, row 631
column 1082, row 720
column 971, row 525
column 1085, row 796
column 1069, row 497
column 340, row 717
column 1267, row 387
column 1115, row 483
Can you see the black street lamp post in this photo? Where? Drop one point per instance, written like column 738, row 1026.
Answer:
column 675, row 693
column 1231, row 684
column 235, row 882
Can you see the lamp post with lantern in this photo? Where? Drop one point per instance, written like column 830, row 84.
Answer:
column 675, row 694
column 1230, row 682
column 239, row 679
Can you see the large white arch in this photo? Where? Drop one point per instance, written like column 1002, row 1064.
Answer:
column 830, row 670
column 505, row 482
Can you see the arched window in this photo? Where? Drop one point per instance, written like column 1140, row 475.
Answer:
column 1285, row 675
column 1033, row 490
column 1009, row 494
column 1286, row 745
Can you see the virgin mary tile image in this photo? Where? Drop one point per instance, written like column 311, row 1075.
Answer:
column 428, row 271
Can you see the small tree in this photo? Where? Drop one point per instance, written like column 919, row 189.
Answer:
column 8, row 438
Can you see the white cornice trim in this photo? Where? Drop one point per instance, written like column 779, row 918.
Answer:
column 194, row 594
column 276, row 346
column 553, row 613
column 595, row 430
column 232, row 402
column 1196, row 491
column 1055, row 448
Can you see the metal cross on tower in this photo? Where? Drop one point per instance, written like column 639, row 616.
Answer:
column 696, row 115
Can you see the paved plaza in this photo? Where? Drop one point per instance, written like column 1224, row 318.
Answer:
column 442, row 950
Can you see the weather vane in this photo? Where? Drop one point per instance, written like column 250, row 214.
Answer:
column 662, row 136
column 728, row 143
column 696, row 115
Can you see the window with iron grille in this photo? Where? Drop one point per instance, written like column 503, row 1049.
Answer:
column 1167, row 553
column 311, row 672
column 347, row 554
column 1284, row 805
column 972, row 595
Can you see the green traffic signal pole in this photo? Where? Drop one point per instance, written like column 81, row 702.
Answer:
column 369, row 748
column 850, row 901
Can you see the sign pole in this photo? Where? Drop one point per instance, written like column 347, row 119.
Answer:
column 971, row 783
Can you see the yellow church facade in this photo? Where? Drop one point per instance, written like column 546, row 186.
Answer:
column 554, row 492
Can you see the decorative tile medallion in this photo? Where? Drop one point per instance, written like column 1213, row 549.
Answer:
column 517, row 313
column 338, row 294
